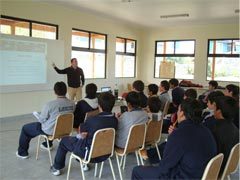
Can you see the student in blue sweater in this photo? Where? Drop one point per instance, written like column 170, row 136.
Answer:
column 189, row 148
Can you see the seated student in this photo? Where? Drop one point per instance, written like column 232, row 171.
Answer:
column 233, row 91
column 212, row 86
column 177, row 94
column 152, row 90
column 89, row 103
column 82, row 142
column 190, row 93
column 164, row 96
column 188, row 148
column 138, row 86
column 209, row 120
column 46, row 120
column 154, row 105
column 134, row 115
column 225, row 132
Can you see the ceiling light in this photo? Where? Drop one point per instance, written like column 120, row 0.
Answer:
column 174, row 15
column 236, row 10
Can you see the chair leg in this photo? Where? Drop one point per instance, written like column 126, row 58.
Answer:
column 119, row 169
column 124, row 161
column 136, row 153
column 121, row 162
column 69, row 166
column 101, row 168
column 95, row 172
column 159, row 156
column 140, row 157
column 110, row 162
column 49, row 152
column 81, row 165
column 38, row 144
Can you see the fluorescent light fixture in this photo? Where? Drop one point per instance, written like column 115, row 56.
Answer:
column 174, row 15
column 236, row 10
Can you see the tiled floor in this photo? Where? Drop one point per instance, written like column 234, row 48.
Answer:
column 13, row 168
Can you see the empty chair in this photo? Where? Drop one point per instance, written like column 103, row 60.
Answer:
column 102, row 144
column 134, row 143
column 63, row 127
column 213, row 167
column 232, row 162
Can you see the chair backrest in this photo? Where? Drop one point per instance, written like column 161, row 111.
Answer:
column 91, row 114
column 232, row 162
column 213, row 167
column 63, row 126
column 136, row 138
column 165, row 109
column 154, row 130
column 103, row 143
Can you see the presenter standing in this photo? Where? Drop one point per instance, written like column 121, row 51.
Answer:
column 75, row 79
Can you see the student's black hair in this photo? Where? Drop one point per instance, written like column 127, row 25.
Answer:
column 106, row 101
column 91, row 90
column 234, row 89
column 227, row 106
column 133, row 99
column 138, row 85
column 60, row 88
column 153, row 88
column 191, row 93
column 165, row 84
column 213, row 84
column 174, row 82
column 73, row 59
column 154, row 104
column 211, row 97
column 192, row 110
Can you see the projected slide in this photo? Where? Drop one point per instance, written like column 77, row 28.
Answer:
column 22, row 62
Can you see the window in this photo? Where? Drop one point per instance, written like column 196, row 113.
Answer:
column 90, row 50
column 223, row 60
column 181, row 52
column 23, row 27
column 125, row 57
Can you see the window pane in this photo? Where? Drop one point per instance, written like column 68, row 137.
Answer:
column 160, row 47
column 226, row 69
column 157, row 66
column 222, row 47
column 130, row 46
column 14, row 27
column 80, row 39
column 98, row 41
column 43, row 31
column 120, row 44
column 169, row 47
column 93, row 64
column 5, row 29
column 125, row 66
column 236, row 46
column 184, row 47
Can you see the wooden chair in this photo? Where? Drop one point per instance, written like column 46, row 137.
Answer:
column 165, row 109
column 91, row 114
column 153, row 135
column 135, row 142
column 213, row 167
column 102, row 144
column 63, row 127
column 232, row 162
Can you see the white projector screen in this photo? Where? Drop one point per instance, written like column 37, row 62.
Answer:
column 25, row 63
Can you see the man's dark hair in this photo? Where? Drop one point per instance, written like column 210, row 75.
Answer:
column 106, row 101
column 234, row 89
column 73, row 59
column 60, row 88
column 211, row 97
column 138, row 85
column 91, row 90
column 191, row 93
column 192, row 110
column 153, row 88
column 213, row 84
column 174, row 82
column 227, row 106
column 133, row 99
column 154, row 104
column 165, row 85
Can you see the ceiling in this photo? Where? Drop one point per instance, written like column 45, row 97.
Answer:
column 147, row 13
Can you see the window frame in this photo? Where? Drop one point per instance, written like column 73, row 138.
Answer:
column 220, row 56
column 30, row 24
column 92, row 50
column 172, row 55
column 125, row 53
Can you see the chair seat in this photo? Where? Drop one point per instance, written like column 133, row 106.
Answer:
column 119, row 150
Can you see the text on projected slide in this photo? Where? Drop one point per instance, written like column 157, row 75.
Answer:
column 22, row 62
